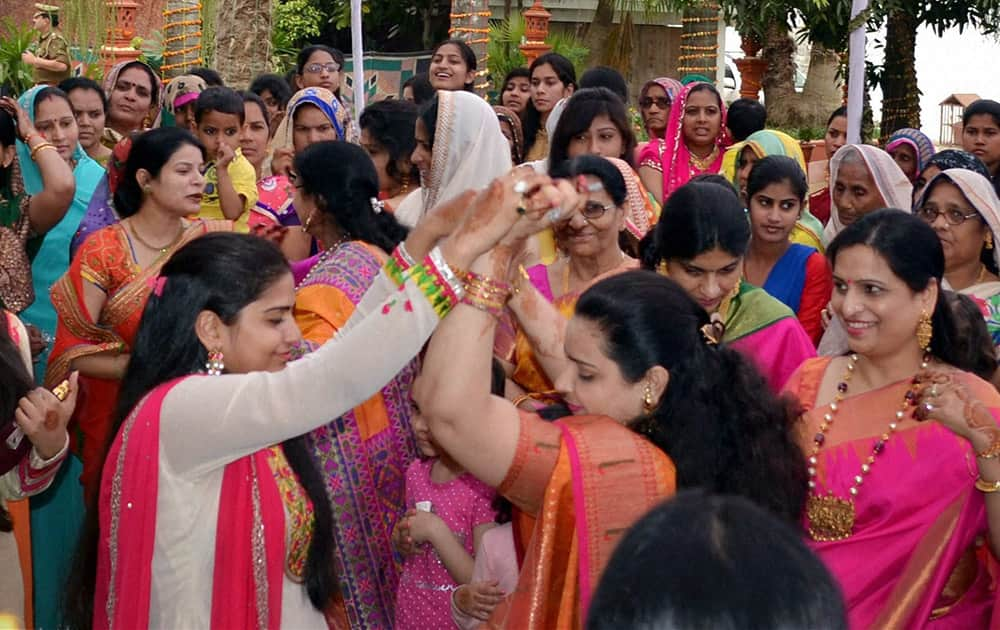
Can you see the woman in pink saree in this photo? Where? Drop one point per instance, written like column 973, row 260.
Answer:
column 694, row 142
column 902, row 442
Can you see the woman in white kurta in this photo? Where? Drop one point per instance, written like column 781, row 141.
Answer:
column 198, row 455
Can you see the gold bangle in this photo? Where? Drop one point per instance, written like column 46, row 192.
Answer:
column 987, row 487
column 41, row 147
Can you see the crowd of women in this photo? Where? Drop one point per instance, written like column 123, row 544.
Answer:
column 448, row 363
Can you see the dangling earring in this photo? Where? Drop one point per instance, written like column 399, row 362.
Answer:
column 989, row 240
column 215, row 365
column 405, row 188
column 647, row 399
column 309, row 220
column 924, row 331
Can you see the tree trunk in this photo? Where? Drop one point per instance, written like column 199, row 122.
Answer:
column 597, row 33
column 821, row 93
column 900, row 95
column 507, row 7
column 182, row 39
column 243, row 40
column 699, row 40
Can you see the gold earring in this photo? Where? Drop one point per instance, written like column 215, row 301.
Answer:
column 924, row 331
column 309, row 219
column 647, row 399
column 989, row 240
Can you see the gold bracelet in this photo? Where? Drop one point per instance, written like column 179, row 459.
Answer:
column 991, row 452
column 987, row 487
column 41, row 147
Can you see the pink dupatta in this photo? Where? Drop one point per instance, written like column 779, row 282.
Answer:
column 676, row 158
column 250, row 513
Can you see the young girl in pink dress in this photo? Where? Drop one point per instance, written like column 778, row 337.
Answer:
column 449, row 511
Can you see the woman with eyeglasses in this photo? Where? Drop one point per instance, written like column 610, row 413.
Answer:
column 322, row 66
column 964, row 211
column 589, row 239
column 655, row 100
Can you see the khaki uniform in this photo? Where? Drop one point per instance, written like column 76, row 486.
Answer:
column 53, row 47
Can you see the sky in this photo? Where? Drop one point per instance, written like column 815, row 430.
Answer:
column 953, row 63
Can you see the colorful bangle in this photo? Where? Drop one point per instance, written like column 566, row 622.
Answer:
column 431, row 278
column 396, row 272
column 486, row 294
column 448, row 273
column 403, row 255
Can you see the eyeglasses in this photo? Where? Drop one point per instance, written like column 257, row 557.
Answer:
column 316, row 68
column 593, row 210
column 661, row 101
column 954, row 216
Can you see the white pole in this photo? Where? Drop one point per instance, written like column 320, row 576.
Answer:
column 358, row 57
column 720, row 56
column 856, row 78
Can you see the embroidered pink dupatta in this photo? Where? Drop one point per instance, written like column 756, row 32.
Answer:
column 918, row 556
column 676, row 157
column 250, row 513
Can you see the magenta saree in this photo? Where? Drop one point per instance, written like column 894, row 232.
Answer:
column 918, row 555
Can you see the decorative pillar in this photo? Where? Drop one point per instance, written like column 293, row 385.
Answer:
column 536, row 30
column 470, row 22
column 751, row 68
column 182, row 37
column 118, row 44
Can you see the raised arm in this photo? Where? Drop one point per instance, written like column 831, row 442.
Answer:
column 47, row 207
column 542, row 323
column 456, row 374
column 210, row 421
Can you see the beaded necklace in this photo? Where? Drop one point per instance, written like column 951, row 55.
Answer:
column 830, row 517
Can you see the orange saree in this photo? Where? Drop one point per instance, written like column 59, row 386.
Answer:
column 106, row 260
column 586, row 480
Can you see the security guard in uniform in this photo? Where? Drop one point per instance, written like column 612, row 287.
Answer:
column 50, row 59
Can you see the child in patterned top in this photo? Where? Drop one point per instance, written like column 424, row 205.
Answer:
column 450, row 510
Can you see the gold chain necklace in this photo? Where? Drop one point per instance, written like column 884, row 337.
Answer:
column 702, row 164
column 830, row 517
column 147, row 245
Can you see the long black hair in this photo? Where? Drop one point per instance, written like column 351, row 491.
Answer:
column 717, row 420
column 391, row 124
column 774, row 169
column 531, row 117
column 914, row 254
column 698, row 217
column 15, row 382
column 342, row 179
column 582, row 108
column 150, row 151
column 720, row 562
column 223, row 273
column 468, row 57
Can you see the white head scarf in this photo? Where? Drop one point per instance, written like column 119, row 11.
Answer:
column 892, row 184
column 469, row 152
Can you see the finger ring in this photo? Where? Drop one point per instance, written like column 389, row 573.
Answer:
column 520, row 187
column 554, row 214
column 522, row 210
column 61, row 391
column 928, row 407
column 934, row 391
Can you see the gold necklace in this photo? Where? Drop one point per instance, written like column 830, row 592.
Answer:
column 830, row 517
column 702, row 164
column 147, row 245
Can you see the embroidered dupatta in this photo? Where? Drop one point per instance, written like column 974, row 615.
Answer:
column 587, row 479
column 917, row 557
column 79, row 336
column 249, row 559
column 363, row 455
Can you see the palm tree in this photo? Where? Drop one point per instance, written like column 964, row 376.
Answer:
column 182, row 41
column 242, row 40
